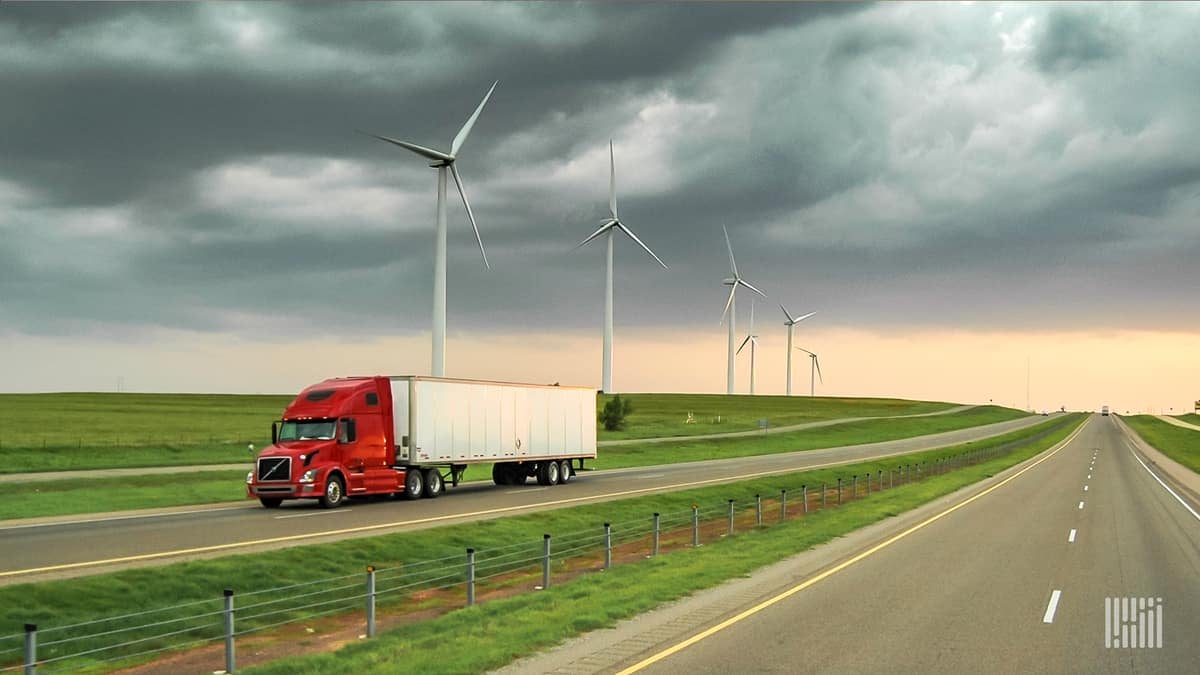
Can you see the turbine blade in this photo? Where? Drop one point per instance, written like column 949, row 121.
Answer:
column 732, row 263
column 790, row 320
column 747, row 285
column 739, row 349
column 466, row 128
column 608, row 224
column 732, row 290
column 633, row 236
column 817, row 362
column 419, row 149
column 463, row 194
column 612, row 181
column 806, row 351
column 803, row 317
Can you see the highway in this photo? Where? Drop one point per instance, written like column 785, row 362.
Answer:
column 1007, row 576
column 78, row 545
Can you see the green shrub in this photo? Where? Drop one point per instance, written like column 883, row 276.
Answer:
column 614, row 413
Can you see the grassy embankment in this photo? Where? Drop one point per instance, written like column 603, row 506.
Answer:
column 48, row 432
column 66, row 497
column 1178, row 443
column 498, row 630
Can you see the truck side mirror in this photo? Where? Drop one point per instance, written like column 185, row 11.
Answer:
column 274, row 432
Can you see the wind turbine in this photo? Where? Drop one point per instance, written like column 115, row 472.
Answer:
column 753, row 340
column 790, row 323
column 445, row 163
column 815, row 370
column 609, row 226
column 731, row 310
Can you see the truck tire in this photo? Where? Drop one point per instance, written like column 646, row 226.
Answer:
column 270, row 502
column 500, row 473
column 335, row 492
column 414, row 484
column 548, row 473
column 564, row 472
column 433, row 483
column 517, row 474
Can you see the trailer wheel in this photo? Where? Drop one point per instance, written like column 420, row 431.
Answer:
column 500, row 473
column 564, row 472
column 517, row 474
column 433, row 483
column 335, row 493
column 548, row 473
column 414, row 484
column 270, row 502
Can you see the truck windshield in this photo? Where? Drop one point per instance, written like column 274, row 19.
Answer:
column 307, row 430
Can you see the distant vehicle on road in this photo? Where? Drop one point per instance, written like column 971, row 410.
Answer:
column 408, row 436
column 1104, row 411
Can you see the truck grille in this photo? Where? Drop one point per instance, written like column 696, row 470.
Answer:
column 275, row 469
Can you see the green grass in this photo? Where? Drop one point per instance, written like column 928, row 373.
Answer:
column 74, row 496
column 57, row 603
column 850, row 433
column 68, row 497
column 1178, row 443
column 50, row 432
column 658, row 415
column 1190, row 418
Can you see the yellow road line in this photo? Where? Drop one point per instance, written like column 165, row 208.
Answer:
column 655, row 658
column 433, row 519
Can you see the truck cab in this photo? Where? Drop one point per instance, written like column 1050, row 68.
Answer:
column 331, row 443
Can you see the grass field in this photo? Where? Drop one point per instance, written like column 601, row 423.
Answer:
column 1178, row 443
column 75, row 496
column 1190, row 418
column 48, row 432
column 539, row 619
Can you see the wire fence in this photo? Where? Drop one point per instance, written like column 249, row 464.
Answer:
column 134, row 637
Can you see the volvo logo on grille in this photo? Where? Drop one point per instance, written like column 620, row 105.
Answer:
column 275, row 468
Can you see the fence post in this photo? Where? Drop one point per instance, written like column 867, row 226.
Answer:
column 758, row 509
column 782, row 505
column 545, row 561
column 854, row 495
column 839, row 490
column 470, row 577
column 695, row 526
column 804, row 497
column 730, row 516
column 656, row 531
column 230, row 661
column 607, row 546
column 880, row 482
column 30, row 649
column 891, row 479
column 823, row 495
column 370, row 601
column 868, row 477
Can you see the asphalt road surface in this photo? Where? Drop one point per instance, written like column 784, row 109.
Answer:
column 1011, row 577
column 75, row 546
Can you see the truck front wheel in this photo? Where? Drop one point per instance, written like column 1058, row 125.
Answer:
column 270, row 502
column 414, row 484
column 335, row 493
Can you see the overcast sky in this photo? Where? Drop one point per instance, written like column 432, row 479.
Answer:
column 191, row 175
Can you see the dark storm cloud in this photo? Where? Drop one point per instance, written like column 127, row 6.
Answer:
column 1075, row 37
column 195, row 166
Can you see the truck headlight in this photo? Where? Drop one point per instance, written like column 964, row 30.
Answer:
column 309, row 476
column 249, row 477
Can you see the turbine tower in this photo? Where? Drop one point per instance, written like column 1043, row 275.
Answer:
column 731, row 310
column 814, row 371
column 445, row 162
column 609, row 226
column 791, row 322
column 753, row 340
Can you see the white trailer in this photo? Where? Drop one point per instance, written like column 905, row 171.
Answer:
column 524, row 430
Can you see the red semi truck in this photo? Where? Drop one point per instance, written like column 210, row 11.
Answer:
column 410, row 435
